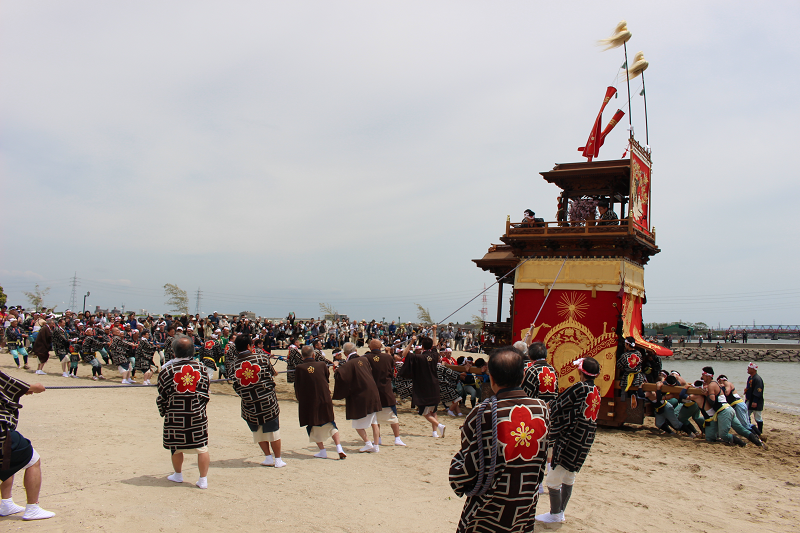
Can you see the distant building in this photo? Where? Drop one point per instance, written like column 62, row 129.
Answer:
column 679, row 330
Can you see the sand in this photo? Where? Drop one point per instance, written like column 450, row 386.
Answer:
column 104, row 468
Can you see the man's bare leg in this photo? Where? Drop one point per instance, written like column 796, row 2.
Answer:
column 177, row 466
column 33, row 484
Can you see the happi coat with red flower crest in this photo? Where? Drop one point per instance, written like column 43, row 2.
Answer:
column 540, row 381
column 509, row 503
column 573, row 423
column 629, row 364
column 253, row 382
column 182, row 398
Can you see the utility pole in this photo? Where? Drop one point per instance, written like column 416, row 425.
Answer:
column 197, row 301
column 73, row 301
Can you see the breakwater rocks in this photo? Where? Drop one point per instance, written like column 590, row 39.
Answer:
column 736, row 354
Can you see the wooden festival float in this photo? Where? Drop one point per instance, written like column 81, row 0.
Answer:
column 583, row 276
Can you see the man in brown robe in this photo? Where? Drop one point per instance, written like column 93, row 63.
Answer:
column 314, row 405
column 421, row 370
column 354, row 384
column 42, row 344
column 382, row 372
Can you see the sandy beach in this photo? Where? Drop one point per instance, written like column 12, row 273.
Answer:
column 104, row 468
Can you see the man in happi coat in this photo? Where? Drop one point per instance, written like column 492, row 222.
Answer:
column 421, row 370
column 17, row 453
column 629, row 365
column 541, row 380
column 573, row 422
column 119, row 354
column 293, row 358
column 314, row 405
column 144, row 356
column 252, row 376
column 91, row 345
column 353, row 382
column 382, row 365
column 503, row 452
column 61, row 346
column 182, row 398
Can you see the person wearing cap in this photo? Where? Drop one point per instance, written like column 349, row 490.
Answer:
column 629, row 366
column 252, row 375
column 15, row 340
column 607, row 216
column 500, row 463
column 573, row 423
column 754, row 396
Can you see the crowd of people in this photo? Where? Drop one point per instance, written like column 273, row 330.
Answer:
column 522, row 432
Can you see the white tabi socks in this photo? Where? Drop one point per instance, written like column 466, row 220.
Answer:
column 340, row 451
column 8, row 507
column 398, row 442
column 177, row 477
column 202, row 483
column 322, row 454
column 279, row 463
column 442, row 427
column 34, row 512
column 268, row 461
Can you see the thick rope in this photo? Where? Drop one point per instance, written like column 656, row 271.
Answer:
column 485, row 481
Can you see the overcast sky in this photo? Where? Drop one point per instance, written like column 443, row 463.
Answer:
column 281, row 154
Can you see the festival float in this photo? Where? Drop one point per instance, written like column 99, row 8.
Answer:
column 578, row 281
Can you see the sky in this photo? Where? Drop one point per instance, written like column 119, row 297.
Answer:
column 276, row 155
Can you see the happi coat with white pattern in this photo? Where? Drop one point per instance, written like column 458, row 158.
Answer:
column 509, row 503
column 573, row 423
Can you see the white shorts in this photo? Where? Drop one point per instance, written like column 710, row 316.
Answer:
column 367, row 421
column 34, row 459
column 559, row 476
column 322, row 433
column 387, row 416
column 194, row 451
column 270, row 436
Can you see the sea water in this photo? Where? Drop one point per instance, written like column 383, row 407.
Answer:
column 781, row 380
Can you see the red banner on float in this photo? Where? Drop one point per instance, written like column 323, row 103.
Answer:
column 640, row 188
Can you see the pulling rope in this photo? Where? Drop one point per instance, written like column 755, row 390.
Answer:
column 484, row 290
column 548, row 293
column 485, row 480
